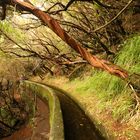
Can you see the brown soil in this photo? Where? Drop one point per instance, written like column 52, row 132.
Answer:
column 40, row 129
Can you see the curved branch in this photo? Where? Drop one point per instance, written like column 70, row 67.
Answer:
column 113, row 19
column 56, row 28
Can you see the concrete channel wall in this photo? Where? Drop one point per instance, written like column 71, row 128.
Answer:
column 99, row 126
column 56, row 121
column 49, row 93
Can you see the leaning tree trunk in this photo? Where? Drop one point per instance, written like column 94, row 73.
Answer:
column 55, row 27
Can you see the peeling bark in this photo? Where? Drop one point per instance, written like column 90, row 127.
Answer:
column 55, row 27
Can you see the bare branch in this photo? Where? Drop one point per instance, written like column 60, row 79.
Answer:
column 113, row 19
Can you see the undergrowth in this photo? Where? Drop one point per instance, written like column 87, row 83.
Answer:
column 113, row 93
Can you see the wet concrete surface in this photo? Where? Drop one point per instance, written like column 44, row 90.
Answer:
column 77, row 125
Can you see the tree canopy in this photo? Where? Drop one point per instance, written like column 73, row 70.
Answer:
column 90, row 28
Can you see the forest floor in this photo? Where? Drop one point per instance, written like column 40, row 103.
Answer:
column 119, row 129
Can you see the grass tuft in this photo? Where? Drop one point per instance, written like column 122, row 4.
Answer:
column 113, row 93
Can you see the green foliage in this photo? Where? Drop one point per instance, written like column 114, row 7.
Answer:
column 12, row 32
column 124, row 105
column 113, row 93
column 7, row 117
column 129, row 57
column 3, row 112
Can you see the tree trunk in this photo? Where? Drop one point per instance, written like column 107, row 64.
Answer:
column 55, row 27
